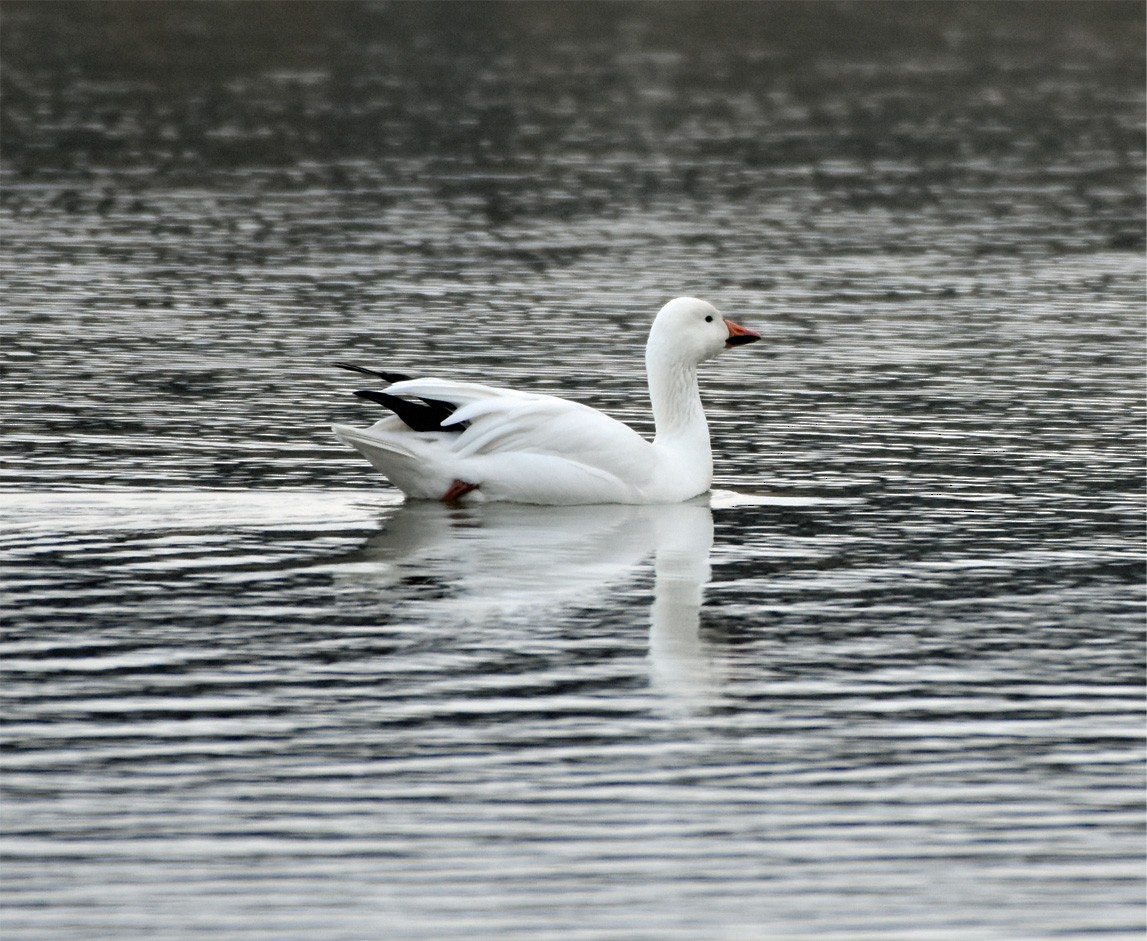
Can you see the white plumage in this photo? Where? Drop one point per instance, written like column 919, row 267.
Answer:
column 488, row 443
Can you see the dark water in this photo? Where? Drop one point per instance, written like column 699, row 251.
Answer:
column 887, row 682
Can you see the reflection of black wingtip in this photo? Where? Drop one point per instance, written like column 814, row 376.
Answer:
column 384, row 376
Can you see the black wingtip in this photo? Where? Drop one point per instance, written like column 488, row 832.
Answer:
column 419, row 416
column 384, row 376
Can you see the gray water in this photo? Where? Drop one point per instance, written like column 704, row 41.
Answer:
column 885, row 682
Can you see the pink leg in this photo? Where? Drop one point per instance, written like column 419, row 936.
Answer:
column 457, row 490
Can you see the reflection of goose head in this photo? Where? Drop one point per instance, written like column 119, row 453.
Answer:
column 505, row 562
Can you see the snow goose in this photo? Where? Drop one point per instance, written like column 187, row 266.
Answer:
column 451, row 440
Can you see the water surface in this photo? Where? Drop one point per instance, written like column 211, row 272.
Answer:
column 885, row 682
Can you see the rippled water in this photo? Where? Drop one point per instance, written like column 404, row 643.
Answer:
column 885, row 682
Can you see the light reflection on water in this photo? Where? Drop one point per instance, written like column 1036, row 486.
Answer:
column 886, row 682
column 386, row 705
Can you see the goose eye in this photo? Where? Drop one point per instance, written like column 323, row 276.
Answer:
column 709, row 318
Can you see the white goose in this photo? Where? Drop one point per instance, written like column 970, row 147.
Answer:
column 460, row 440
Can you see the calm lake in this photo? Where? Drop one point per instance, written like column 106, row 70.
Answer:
column 885, row 682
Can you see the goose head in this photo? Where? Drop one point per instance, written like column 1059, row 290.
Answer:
column 691, row 331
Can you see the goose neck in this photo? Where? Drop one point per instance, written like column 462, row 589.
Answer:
column 675, row 397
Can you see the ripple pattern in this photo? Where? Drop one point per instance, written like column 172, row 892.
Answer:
column 885, row 683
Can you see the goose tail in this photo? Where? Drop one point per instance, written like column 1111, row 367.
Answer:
column 417, row 474
column 367, row 443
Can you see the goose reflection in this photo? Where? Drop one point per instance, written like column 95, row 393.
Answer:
column 497, row 564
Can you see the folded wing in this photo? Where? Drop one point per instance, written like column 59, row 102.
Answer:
column 495, row 421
